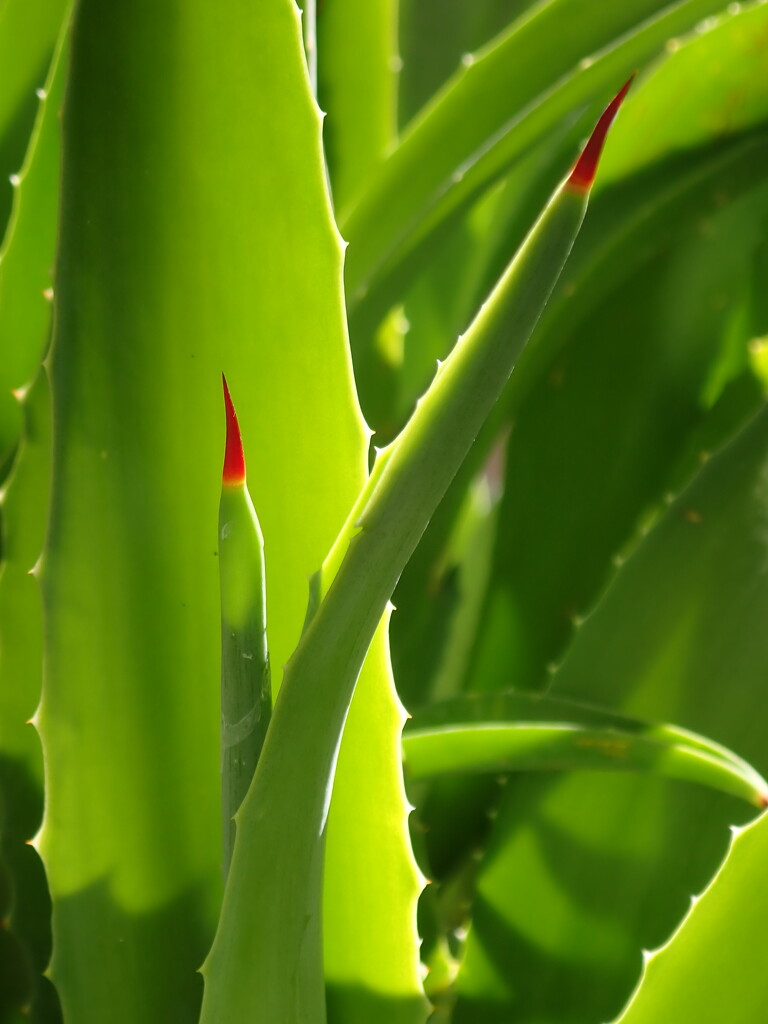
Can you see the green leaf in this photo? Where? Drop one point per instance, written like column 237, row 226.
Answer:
column 713, row 108
column 25, row 260
column 27, row 253
column 435, row 35
column 370, row 889
column 29, row 30
column 27, row 250
column 627, row 225
column 271, row 966
column 716, row 78
column 246, row 687
column 677, row 629
column 712, row 968
column 501, row 102
column 24, row 504
column 509, row 732
column 189, row 264
column 594, row 477
column 357, row 87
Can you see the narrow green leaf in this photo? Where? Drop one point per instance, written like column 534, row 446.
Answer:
column 26, row 255
column 246, row 691
column 29, row 30
column 436, row 34
column 24, row 503
column 270, row 967
column 468, row 137
column 555, row 554
column 357, row 87
column 27, row 252
column 630, row 223
column 27, row 34
column 508, row 732
column 575, row 362
column 712, row 969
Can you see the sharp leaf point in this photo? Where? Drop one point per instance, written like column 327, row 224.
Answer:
column 233, row 474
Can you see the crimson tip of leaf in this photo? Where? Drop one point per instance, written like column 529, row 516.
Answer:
column 583, row 174
column 233, row 474
column 762, row 801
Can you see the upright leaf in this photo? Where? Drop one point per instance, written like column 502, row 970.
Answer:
column 32, row 37
column 246, row 688
column 357, row 87
column 196, row 237
column 270, row 967
column 28, row 33
column 27, row 913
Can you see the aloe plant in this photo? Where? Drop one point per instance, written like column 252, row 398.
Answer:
column 575, row 552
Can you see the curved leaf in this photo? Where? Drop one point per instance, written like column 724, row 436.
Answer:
column 271, row 967
column 508, row 732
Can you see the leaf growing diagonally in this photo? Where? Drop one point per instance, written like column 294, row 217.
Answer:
column 268, row 967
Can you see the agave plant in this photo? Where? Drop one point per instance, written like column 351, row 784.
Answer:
column 545, row 444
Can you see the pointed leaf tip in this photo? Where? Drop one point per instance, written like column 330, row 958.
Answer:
column 583, row 174
column 233, row 474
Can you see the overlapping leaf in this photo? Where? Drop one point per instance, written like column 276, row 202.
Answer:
column 195, row 237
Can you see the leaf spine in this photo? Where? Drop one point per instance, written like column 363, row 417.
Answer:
column 233, row 474
column 583, row 174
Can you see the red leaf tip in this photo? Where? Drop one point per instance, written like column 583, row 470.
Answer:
column 583, row 174
column 233, row 474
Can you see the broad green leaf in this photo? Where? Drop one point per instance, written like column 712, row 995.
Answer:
column 601, row 868
column 357, row 87
column 712, row 968
column 510, row 732
column 189, row 245
column 716, row 78
column 371, row 887
column 308, row 9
